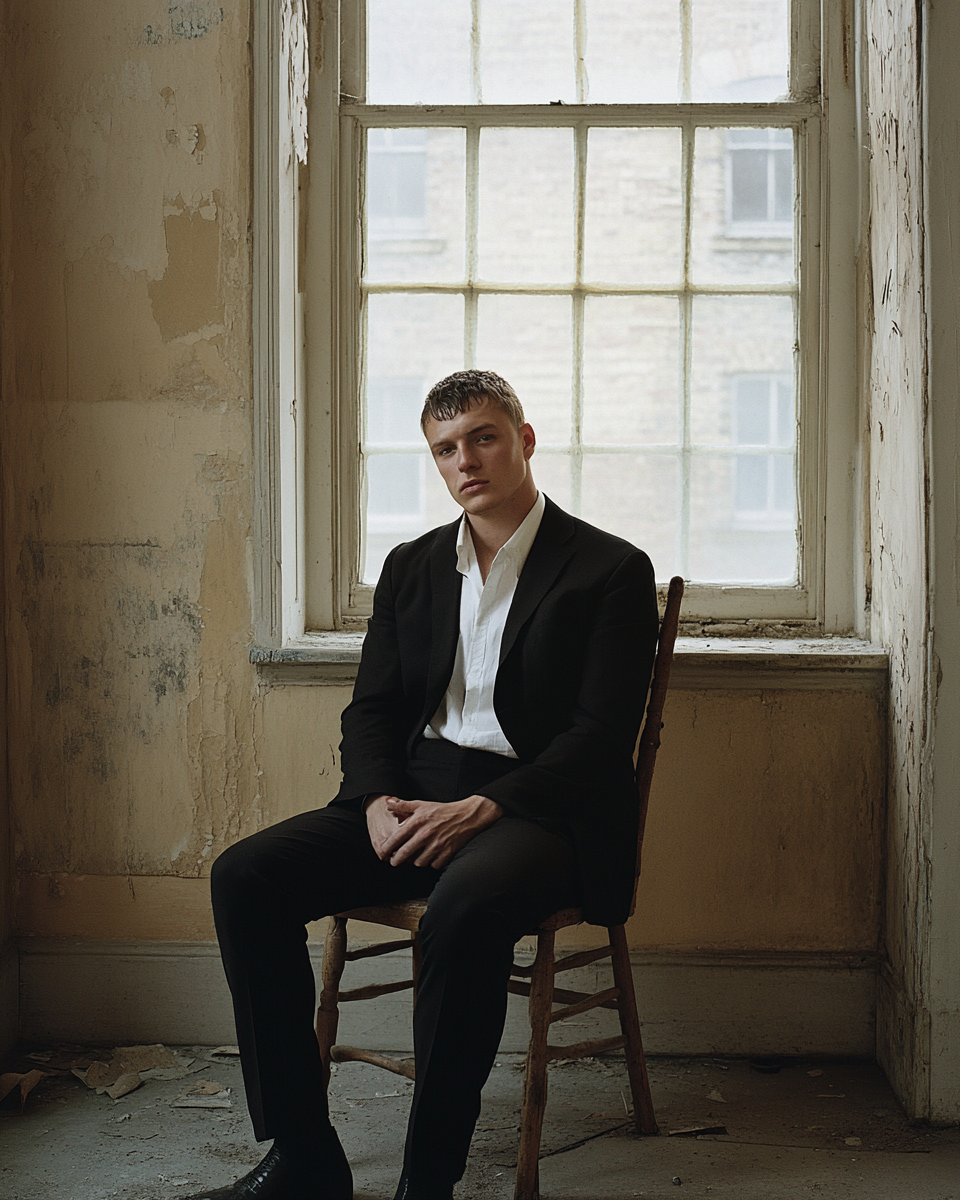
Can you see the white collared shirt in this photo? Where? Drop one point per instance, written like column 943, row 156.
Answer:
column 466, row 715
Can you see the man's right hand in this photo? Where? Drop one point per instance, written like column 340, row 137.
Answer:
column 381, row 823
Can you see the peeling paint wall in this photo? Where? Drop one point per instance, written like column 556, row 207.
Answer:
column 899, row 487
column 141, row 740
column 916, row 607
column 127, row 434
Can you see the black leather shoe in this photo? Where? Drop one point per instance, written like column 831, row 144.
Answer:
column 324, row 1175
column 422, row 1191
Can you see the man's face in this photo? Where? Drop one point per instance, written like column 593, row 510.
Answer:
column 482, row 456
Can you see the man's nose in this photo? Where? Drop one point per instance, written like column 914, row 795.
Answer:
column 466, row 458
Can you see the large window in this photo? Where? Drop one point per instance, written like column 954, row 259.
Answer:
column 616, row 207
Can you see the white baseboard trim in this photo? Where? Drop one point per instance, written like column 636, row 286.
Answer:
column 737, row 1004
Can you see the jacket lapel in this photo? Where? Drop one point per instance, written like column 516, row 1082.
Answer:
column 548, row 554
column 445, row 585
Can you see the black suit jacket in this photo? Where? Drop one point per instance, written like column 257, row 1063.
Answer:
column 575, row 662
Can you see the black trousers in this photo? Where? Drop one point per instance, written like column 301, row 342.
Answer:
column 496, row 889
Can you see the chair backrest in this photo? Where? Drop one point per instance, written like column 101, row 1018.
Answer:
column 649, row 742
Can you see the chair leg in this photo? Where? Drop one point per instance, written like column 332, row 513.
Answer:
column 535, row 1077
column 417, row 955
column 328, row 1012
column 644, row 1118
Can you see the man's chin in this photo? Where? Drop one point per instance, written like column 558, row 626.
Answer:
column 477, row 503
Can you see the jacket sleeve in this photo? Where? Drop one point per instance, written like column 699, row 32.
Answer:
column 567, row 778
column 373, row 725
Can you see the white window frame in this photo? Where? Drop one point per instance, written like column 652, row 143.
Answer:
column 307, row 407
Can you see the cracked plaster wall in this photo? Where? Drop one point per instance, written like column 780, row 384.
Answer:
column 127, row 434
column 914, row 140
column 141, row 743
column 900, row 509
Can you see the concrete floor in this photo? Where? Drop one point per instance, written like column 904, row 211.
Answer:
column 789, row 1134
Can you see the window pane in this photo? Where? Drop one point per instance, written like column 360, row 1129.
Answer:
column 633, row 206
column 415, row 192
column 412, row 341
column 786, row 421
column 782, row 189
column 527, row 340
column 526, row 51
column 743, row 506
column 633, row 51
column 783, row 484
column 393, row 410
column 740, row 50
column 418, row 53
column 397, row 179
column 414, row 338
column 630, row 369
column 743, row 201
column 635, row 497
column 751, row 483
column 734, row 337
column 751, row 411
column 526, row 205
column 742, row 519
column 748, row 185
column 395, row 508
column 553, row 474
column 395, row 487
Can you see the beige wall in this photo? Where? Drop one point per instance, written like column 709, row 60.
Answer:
column 142, row 742
column 763, row 831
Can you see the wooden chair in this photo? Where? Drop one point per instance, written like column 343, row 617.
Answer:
column 540, row 989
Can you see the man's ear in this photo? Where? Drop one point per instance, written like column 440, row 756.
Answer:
column 529, row 439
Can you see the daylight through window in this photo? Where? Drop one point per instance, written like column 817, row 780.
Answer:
column 631, row 270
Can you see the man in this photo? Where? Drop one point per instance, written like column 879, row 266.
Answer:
column 487, row 764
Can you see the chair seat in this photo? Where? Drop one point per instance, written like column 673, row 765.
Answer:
column 561, row 919
column 406, row 914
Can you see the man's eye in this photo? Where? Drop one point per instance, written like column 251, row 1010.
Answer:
column 485, row 437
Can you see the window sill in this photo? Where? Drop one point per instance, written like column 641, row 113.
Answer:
column 330, row 659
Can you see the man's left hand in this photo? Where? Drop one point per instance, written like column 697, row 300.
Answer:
column 430, row 834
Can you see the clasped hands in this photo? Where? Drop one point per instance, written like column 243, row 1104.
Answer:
column 424, row 832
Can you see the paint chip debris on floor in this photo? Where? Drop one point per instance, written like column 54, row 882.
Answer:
column 157, row 1122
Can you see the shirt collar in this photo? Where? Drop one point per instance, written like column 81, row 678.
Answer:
column 513, row 551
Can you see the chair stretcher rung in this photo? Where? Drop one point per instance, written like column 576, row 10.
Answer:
column 560, row 995
column 371, row 991
column 582, row 959
column 379, row 948
column 582, row 1049
column 399, row 1066
column 584, row 1005
column 569, row 962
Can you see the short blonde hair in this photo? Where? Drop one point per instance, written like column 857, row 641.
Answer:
column 459, row 392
